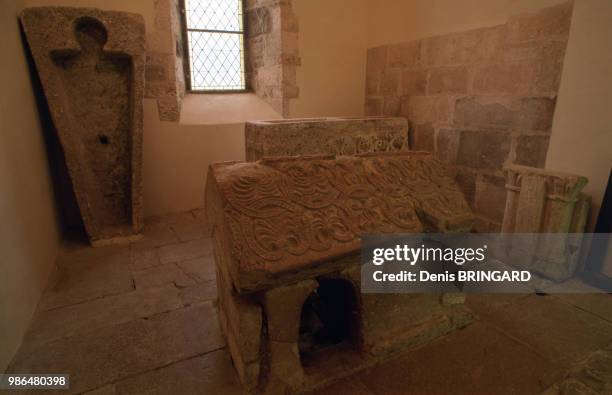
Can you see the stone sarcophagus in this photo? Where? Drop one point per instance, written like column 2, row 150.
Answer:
column 91, row 65
column 287, row 245
column 541, row 202
column 325, row 136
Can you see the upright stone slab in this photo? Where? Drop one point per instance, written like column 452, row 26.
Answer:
column 325, row 136
column 542, row 202
column 91, row 64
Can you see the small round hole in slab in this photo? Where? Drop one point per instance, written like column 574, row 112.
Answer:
column 103, row 139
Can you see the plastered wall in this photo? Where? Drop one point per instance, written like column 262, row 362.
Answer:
column 392, row 21
column 29, row 226
column 581, row 139
column 332, row 47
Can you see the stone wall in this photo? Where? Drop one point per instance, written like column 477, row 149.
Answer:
column 164, row 74
column 272, row 52
column 479, row 99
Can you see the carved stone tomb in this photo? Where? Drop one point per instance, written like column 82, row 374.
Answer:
column 287, row 245
column 91, row 64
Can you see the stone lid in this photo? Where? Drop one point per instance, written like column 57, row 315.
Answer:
column 284, row 219
column 304, row 121
column 325, row 136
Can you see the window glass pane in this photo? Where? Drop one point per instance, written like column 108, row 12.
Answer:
column 214, row 14
column 217, row 61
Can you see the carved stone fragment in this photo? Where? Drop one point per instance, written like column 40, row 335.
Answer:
column 325, row 136
column 545, row 202
column 91, row 64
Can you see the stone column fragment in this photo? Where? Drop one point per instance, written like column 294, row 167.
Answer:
column 283, row 308
column 550, row 207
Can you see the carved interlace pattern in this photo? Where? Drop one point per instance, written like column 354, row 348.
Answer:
column 331, row 137
column 317, row 208
column 336, row 145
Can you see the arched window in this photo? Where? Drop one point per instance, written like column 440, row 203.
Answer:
column 214, row 39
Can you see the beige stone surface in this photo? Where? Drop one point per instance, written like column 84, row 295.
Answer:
column 448, row 80
column 186, row 226
column 320, row 136
column 211, row 373
column 157, row 232
column 284, row 217
column 88, row 275
column 422, row 137
column 283, row 308
column 478, row 359
column 348, row 386
column 198, row 293
column 392, row 322
column 201, row 269
column 184, row 251
column 272, row 52
column 593, row 376
column 553, row 328
column 242, row 318
column 88, row 87
column 99, row 313
column 286, row 373
column 143, row 258
column 120, row 351
column 241, row 322
column 598, row 304
column 165, row 57
column 169, row 273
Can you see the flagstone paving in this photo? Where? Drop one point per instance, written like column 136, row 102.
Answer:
column 142, row 319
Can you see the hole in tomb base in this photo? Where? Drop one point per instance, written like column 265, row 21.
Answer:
column 328, row 320
column 103, row 139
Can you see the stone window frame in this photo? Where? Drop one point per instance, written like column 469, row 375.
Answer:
column 187, row 54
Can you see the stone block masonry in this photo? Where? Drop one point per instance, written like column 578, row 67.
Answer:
column 479, row 99
column 164, row 74
column 272, row 52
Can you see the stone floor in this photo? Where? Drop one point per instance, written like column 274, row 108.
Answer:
column 142, row 319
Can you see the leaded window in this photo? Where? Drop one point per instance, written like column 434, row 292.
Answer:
column 215, row 45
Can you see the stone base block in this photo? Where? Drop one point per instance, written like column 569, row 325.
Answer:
column 241, row 323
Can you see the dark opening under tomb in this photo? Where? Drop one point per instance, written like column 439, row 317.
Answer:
column 329, row 318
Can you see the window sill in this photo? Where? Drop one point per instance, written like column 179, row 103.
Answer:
column 224, row 108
